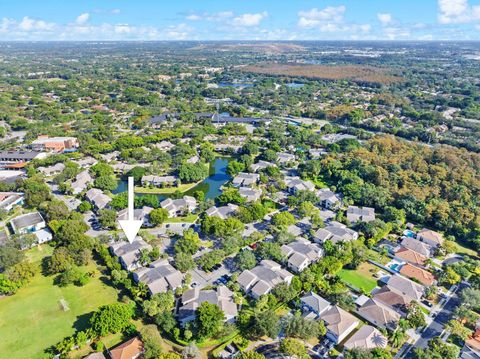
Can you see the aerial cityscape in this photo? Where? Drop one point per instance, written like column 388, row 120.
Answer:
column 250, row 180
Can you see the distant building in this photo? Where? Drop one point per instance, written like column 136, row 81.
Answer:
column 21, row 156
column 54, row 144
column 360, row 214
column 193, row 298
column 263, row 278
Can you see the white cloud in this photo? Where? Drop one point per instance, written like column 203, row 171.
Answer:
column 384, row 18
column 216, row 16
column 82, row 18
column 250, row 19
column 319, row 18
column 29, row 24
column 457, row 12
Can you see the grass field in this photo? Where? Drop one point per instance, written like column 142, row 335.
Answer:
column 168, row 190
column 361, row 278
column 32, row 320
column 191, row 218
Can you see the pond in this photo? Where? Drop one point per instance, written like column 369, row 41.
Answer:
column 210, row 185
column 295, row 85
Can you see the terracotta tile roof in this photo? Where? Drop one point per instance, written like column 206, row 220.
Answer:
column 411, row 256
column 130, row 349
column 423, row 276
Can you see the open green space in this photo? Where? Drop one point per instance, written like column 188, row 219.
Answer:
column 33, row 319
column 167, row 190
column 361, row 278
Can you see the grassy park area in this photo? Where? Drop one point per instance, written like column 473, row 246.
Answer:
column 361, row 278
column 167, row 190
column 34, row 318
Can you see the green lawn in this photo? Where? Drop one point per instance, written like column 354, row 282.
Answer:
column 191, row 218
column 32, row 319
column 167, row 190
column 361, row 278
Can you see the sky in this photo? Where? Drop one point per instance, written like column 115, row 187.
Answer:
column 239, row 20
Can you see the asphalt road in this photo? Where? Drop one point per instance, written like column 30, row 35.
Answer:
column 435, row 328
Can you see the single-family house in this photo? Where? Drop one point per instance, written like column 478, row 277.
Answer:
column 313, row 303
column 284, row 158
column 160, row 276
column 180, row 206
column 406, row 287
column 335, row 232
column 245, row 179
column 142, row 214
column 419, row 274
column 97, row 198
column 339, row 323
column 301, row 253
column 193, row 298
column 360, row 214
column 8, row 200
column 27, row 223
column 328, row 199
column 82, row 180
column 410, row 256
column 261, row 165
column 430, row 237
column 52, row 170
column 131, row 349
column 263, row 278
column 223, row 212
column 129, row 253
column 394, row 299
column 159, row 181
column 366, row 338
column 295, row 184
column 379, row 314
column 250, row 194
column 417, row 246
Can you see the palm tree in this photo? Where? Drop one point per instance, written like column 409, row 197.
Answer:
column 398, row 337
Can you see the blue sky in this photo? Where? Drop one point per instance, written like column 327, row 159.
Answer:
column 240, row 20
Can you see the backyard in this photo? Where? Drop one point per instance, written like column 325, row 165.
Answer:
column 33, row 319
column 361, row 278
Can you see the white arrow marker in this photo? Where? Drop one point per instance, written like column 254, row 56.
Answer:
column 130, row 226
